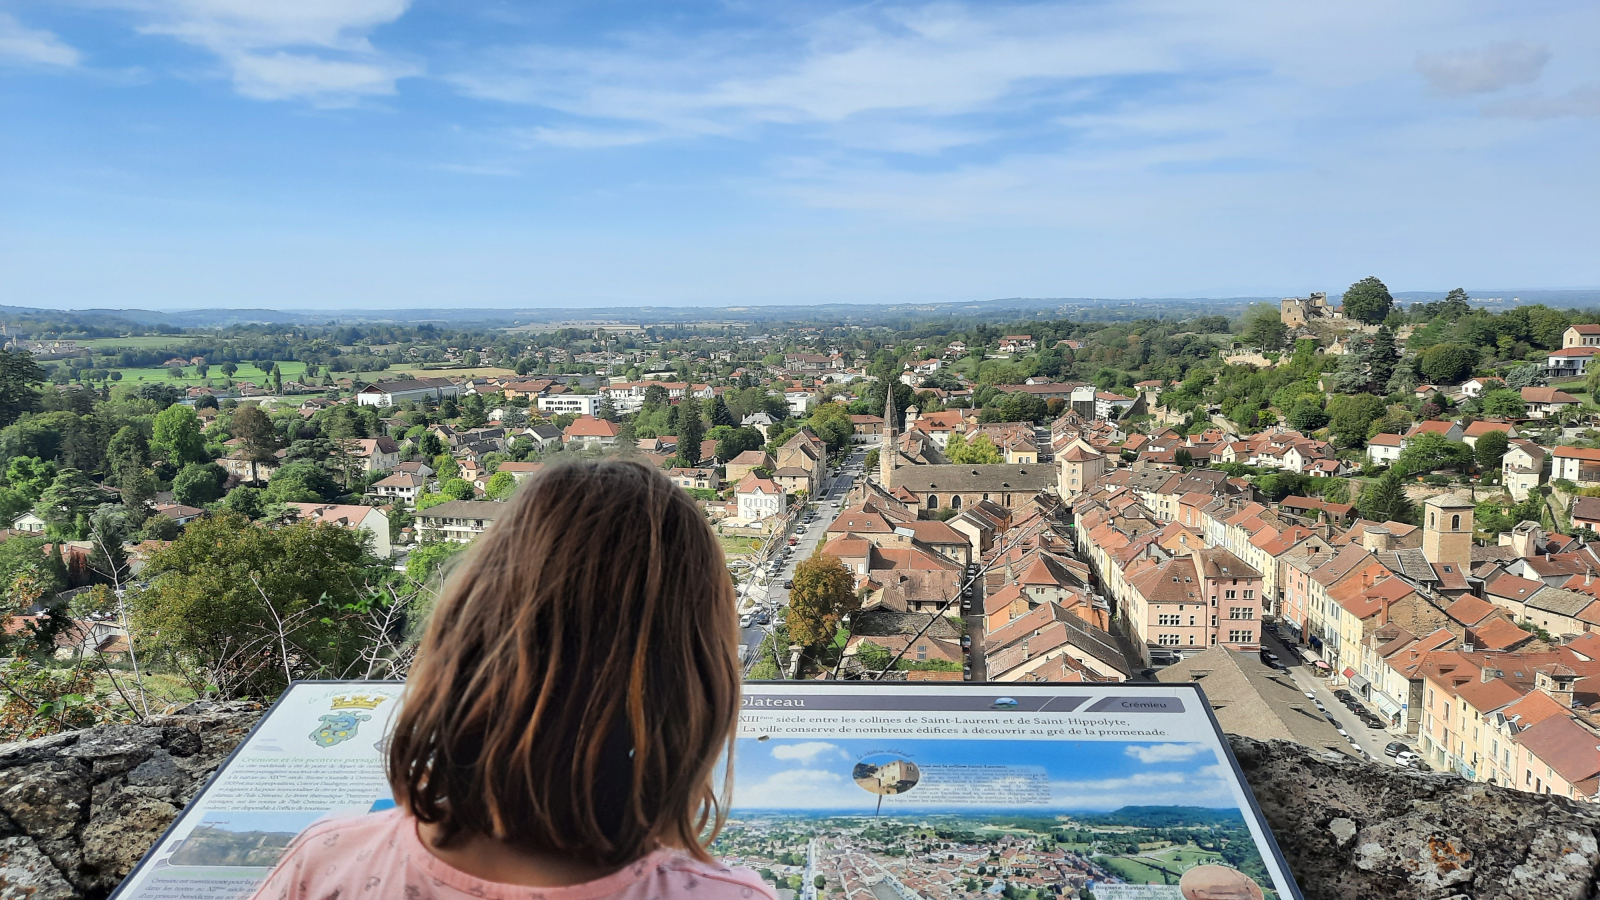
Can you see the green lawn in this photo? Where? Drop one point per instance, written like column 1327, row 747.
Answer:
column 412, row 370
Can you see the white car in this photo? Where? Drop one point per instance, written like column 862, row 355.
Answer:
column 746, row 619
column 1407, row 758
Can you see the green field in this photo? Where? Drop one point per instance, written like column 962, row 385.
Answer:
column 1133, row 871
column 247, row 372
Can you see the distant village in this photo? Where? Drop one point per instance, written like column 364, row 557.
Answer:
column 1366, row 529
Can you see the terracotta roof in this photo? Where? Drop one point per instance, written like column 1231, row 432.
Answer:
column 1546, row 395
column 1497, row 634
column 1470, row 610
column 1565, row 746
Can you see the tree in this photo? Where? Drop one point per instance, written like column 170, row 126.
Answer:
column 1448, row 363
column 138, row 489
column 1368, row 300
column 1307, row 416
column 20, row 379
column 1504, row 405
column 260, row 446
column 1385, row 500
column 30, row 475
column 177, row 437
column 199, row 483
column 1490, row 448
column 1381, row 357
column 1350, row 417
column 733, row 441
column 1455, row 304
column 246, row 501
column 824, row 592
column 1530, row 375
column 1351, row 376
column 690, row 432
column 1263, row 327
column 239, row 609
column 500, row 486
column 1430, row 450
column 277, row 379
column 978, row 451
column 69, row 499
column 606, row 409
column 127, row 453
column 720, row 414
column 449, row 489
column 832, row 423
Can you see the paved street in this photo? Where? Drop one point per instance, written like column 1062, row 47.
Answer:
column 772, row 597
column 1371, row 741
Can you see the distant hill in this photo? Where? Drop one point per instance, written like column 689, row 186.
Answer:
column 105, row 321
column 1164, row 816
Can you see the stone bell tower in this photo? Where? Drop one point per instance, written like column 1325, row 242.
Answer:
column 891, row 439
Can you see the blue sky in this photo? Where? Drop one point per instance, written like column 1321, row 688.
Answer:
column 392, row 153
column 815, row 774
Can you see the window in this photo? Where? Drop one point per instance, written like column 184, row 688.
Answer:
column 1455, row 523
column 1169, row 640
column 1167, row 619
column 955, row 502
column 922, row 651
column 1191, row 620
column 1241, row 612
column 1249, row 595
column 933, row 501
column 1240, row 637
column 1230, row 595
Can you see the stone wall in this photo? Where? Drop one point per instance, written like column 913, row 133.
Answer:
column 80, row 809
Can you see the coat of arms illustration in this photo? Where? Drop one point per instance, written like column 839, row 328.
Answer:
column 344, row 718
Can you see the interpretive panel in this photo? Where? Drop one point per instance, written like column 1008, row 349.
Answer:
column 843, row 791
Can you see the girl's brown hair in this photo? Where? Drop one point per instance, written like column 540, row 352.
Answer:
column 580, row 678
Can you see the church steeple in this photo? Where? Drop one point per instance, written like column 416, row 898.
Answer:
column 891, row 435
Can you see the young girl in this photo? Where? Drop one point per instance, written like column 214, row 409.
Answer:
column 560, row 728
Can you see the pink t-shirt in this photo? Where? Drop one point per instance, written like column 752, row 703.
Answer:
column 380, row 855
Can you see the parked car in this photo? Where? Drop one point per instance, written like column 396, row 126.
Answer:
column 1409, row 759
column 966, row 642
column 745, row 620
column 788, row 585
column 1395, row 748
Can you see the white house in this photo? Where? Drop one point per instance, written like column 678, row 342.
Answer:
column 574, row 404
column 457, row 520
column 368, row 520
column 800, row 402
column 1110, row 406
column 1569, row 362
column 379, row 454
column 1522, row 468
column 1546, row 401
column 1477, row 387
column 759, row 498
column 760, row 421
column 400, row 486
column 1384, row 449
column 29, row 522
column 393, row 393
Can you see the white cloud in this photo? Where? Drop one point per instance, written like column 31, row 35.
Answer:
column 1159, row 753
column 32, row 46
column 807, row 752
column 312, row 50
column 1205, row 786
column 1483, row 70
column 1582, row 101
column 803, row 789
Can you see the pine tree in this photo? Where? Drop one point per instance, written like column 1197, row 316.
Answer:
column 1385, row 500
column 690, row 432
column 1381, row 357
column 721, row 415
column 1351, row 376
